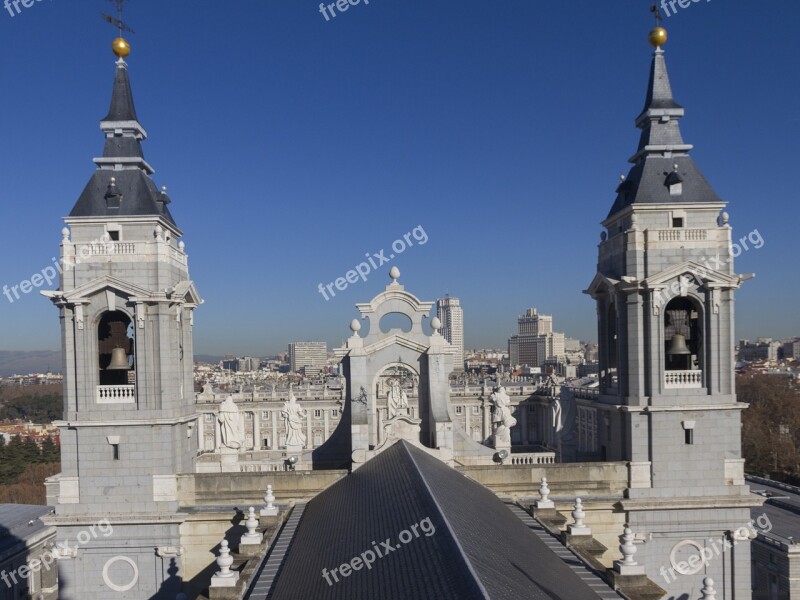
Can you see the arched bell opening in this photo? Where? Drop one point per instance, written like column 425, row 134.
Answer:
column 115, row 344
column 683, row 343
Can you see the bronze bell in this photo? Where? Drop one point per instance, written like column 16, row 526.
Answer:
column 678, row 345
column 119, row 360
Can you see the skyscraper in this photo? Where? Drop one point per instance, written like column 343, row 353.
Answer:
column 535, row 342
column 450, row 313
column 308, row 357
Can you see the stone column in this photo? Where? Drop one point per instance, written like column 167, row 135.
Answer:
column 256, row 429
column 217, row 433
column 326, row 415
column 523, row 421
column 275, row 439
column 487, row 419
column 309, row 439
column 201, row 432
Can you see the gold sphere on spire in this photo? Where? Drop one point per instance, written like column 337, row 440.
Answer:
column 658, row 37
column 121, row 47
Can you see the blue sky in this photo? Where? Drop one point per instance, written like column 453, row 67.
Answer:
column 292, row 146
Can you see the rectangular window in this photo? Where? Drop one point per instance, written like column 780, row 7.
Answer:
column 115, row 448
column 113, row 236
column 476, row 410
column 459, row 409
column 688, row 436
column 265, row 414
column 317, row 414
column 677, row 221
column 335, row 412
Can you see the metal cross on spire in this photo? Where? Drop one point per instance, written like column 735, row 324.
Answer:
column 118, row 22
column 656, row 13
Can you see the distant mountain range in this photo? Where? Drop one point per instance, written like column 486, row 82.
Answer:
column 17, row 362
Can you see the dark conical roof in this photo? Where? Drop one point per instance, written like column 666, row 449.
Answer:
column 662, row 157
column 122, row 108
column 134, row 192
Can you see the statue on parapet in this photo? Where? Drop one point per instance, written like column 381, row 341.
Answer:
column 502, row 419
column 397, row 400
column 293, row 415
column 230, row 424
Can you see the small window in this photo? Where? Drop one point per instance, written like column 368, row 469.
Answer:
column 113, row 236
column 459, row 409
column 317, row 414
column 677, row 222
column 115, row 448
column 265, row 414
column 688, row 436
column 476, row 410
column 209, row 418
column 335, row 412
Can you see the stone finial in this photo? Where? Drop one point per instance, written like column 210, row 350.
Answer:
column 65, row 234
column 224, row 577
column 252, row 538
column 182, row 246
column 724, row 218
column 627, row 548
column 544, row 494
column 628, row 564
column 708, row 589
column 159, row 233
column 578, row 514
column 394, row 273
column 270, row 510
column 224, row 560
column 252, row 523
column 436, row 324
column 355, row 326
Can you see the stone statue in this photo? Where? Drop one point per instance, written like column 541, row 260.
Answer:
column 502, row 420
column 230, row 424
column 293, row 415
column 397, row 399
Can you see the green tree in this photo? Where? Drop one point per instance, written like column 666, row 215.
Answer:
column 51, row 453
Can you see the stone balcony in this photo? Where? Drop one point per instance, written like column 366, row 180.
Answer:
column 683, row 379
column 116, row 394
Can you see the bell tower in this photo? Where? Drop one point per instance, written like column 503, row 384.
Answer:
column 664, row 291
column 126, row 305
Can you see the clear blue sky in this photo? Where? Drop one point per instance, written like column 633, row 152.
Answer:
column 293, row 146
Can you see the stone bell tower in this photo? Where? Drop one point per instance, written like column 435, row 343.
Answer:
column 126, row 305
column 665, row 304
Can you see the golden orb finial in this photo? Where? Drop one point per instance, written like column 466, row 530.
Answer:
column 121, row 47
column 657, row 37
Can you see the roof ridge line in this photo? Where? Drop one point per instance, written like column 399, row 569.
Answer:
column 447, row 524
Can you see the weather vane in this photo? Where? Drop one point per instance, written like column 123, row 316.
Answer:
column 118, row 22
column 656, row 14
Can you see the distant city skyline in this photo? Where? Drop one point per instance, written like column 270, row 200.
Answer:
column 446, row 120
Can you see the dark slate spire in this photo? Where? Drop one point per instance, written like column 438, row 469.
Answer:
column 663, row 171
column 122, row 186
column 122, row 108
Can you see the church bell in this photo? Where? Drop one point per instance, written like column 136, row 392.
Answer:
column 119, row 360
column 678, row 345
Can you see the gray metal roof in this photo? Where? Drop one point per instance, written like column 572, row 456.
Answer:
column 478, row 548
column 16, row 526
column 122, row 159
column 648, row 181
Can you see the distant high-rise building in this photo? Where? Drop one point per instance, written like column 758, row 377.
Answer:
column 535, row 342
column 308, row 357
column 450, row 313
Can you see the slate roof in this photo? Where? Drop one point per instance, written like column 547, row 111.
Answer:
column 14, row 524
column 649, row 179
column 123, row 151
column 478, row 548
